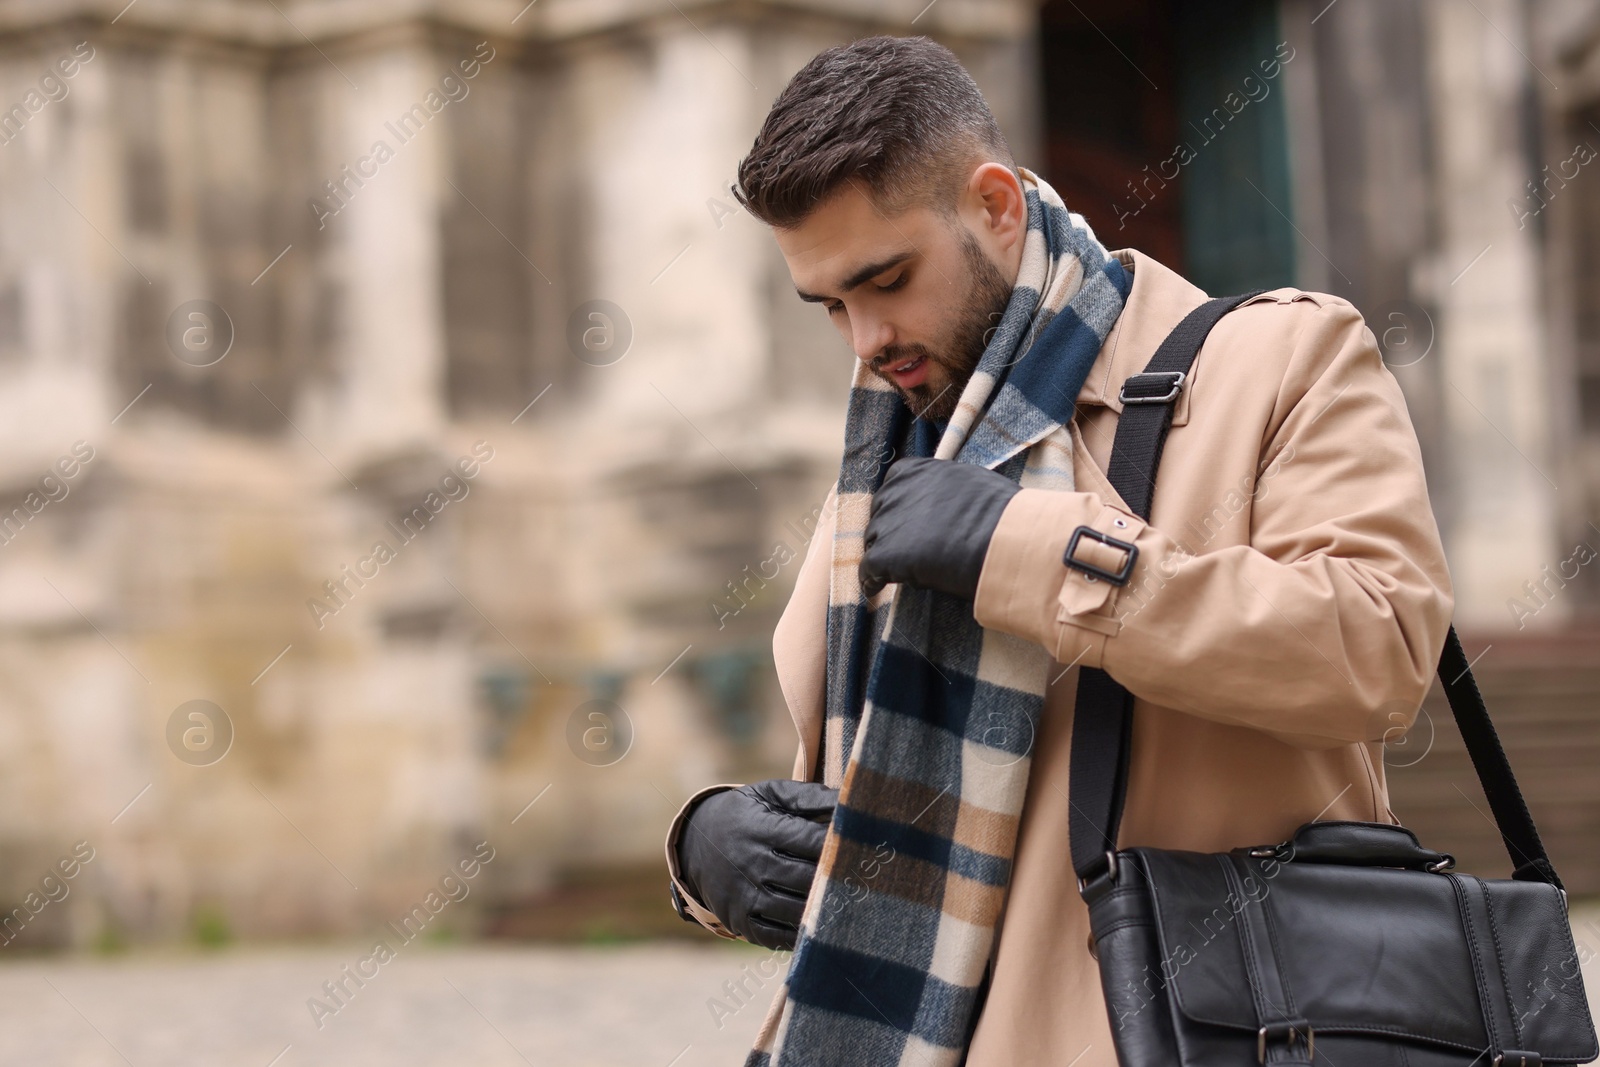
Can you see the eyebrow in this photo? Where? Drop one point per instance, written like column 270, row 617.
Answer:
column 871, row 270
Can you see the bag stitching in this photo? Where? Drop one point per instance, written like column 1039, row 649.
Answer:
column 1272, row 939
column 1120, row 924
column 1499, row 962
column 1246, row 944
column 1387, row 826
column 1477, row 962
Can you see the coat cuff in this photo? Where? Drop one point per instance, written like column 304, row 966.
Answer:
column 1026, row 587
column 698, row 911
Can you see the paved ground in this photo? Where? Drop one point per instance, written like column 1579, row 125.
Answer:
column 429, row 1007
column 489, row 1006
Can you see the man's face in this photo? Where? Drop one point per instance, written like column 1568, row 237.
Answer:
column 914, row 296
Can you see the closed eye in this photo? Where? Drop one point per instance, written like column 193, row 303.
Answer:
column 898, row 283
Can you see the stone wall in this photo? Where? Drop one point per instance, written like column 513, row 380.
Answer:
column 397, row 262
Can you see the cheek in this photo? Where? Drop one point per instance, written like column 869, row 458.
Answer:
column 940, row 380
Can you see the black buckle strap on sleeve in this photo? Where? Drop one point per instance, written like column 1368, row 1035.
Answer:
column 678, row 904
column 1116, row 577
column 1103, row 722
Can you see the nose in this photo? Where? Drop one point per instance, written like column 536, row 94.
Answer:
column 869, row 337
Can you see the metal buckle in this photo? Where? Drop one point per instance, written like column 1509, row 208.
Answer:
column 1518, row 1059
column 1283, row 851
column 1114, row 577
column 1111, row 871
column 1446, row 862
column 1173, row 378
column 1310, row 1036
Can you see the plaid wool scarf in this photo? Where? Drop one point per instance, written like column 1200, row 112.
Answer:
column 936, row 713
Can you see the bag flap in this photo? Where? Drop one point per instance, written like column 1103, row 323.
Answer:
column 1543, row 972
column 1369, row 950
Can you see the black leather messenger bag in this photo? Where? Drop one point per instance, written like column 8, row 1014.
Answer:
column 1348, row 945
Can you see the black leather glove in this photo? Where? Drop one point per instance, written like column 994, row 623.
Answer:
column 750, row 855
column 930, row 525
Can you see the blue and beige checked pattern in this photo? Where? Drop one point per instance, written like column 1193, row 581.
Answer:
column 936, row 712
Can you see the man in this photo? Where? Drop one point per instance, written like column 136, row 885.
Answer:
column 1282, row 615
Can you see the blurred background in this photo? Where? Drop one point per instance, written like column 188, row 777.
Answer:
column 407, row 445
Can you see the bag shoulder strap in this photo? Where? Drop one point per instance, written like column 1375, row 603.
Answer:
column 1103, row 721
column 1511, row 816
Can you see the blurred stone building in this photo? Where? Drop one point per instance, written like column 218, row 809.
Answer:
column 284, row 272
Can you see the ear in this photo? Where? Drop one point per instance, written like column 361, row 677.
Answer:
column 1000, row 207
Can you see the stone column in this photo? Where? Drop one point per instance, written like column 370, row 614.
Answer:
column 1490, row 330
column 382, row 186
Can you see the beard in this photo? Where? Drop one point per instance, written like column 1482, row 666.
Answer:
column 952, row 362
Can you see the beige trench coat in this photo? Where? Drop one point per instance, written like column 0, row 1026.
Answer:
column 1285, row 614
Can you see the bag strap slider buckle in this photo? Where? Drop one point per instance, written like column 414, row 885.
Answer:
column 1153, row 387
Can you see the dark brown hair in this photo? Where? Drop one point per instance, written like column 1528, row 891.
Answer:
column 901, row 114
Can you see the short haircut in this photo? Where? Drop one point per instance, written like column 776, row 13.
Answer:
column 901, row 114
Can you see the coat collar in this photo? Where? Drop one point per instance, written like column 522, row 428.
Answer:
column 1158, row 301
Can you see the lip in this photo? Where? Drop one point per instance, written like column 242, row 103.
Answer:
column 912, row 377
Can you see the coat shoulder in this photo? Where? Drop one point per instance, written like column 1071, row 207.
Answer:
column 1289, row 347
column 1292, row 332
column 1288, row 306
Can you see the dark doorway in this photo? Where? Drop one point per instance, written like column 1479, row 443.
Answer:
column 1165, row 127
column 1110, row 112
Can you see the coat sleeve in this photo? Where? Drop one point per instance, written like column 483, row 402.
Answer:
column 697, row 911
column 1325, row 629
column 802, row 624
column 800, row 638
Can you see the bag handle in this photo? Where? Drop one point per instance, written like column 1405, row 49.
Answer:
column 1103, row 722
